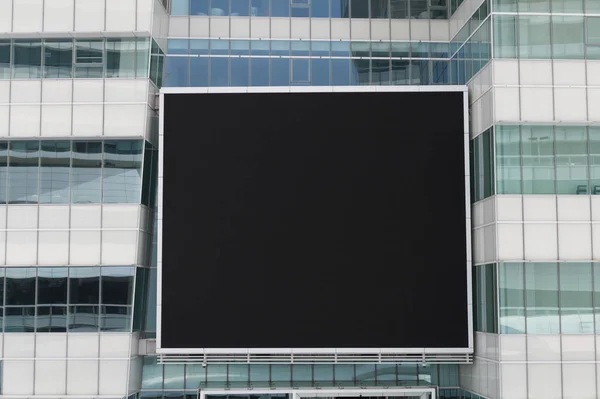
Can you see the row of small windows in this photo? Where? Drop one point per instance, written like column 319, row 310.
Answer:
column 471, row 25
column 308, row 48
column 443, row 393
column 78, row 171
column 536, row 160
column 541, row 6
column 158, row 376
column 69, row 58
column 546, row 37
column 59, row 299
column 405, row 9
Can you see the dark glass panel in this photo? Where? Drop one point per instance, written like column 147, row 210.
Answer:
column 84, row 285
column 4, row 59
column 259, row 69
column 19, row 319
column 280, row 71
column 340, row 72
column 23, row 172
column 320, row 71
column 122, row 171
column 52, row 286
column 55, row 172
column 3, row 171
column 83, row 318
column 198, row 72
column 86, row 183
column 51, row 319
column 117, row 285
column 219, row 72
column 27, row 59
column 58, row 58
column 176, row 71
column 20, row 286
column 240, row 72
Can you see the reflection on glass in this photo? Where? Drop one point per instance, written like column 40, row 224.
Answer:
column 534, row 5
column 538, row 159
column 117, row 285
column 320, row 49
column 576, row 315
column 344, row 374
column 87, row 172
column 142, row 57
column 52, row 286
column 180, row 7
column 571, row 160
column 20, row 286
column 508, row 159
column 198, row 7
column 280, row 8
column 300, row 70
column 594, row 134
column 534, row 37
column 219, row 72
column 567, row 37
column 122, row 171
column 365, row 373
column 89, row 58
column 281, row 375
column 240, row 72
column 320, row 72
column 541, row 293
column 238, row 375
column 19, row 319
column 176, row 71
column 3, row 172
column 240, row 8
column 84, row 285
column 259, row 70
column 55, row 167
column 58, row 58
column 280, row 71
column 400, row 72
column 280, row 47
column 115, row 318
column 320, row 9
column 4, row 59
column 361, row 72
column 83, row 318
column 199, row 46
column 51, row 319
column 219, row 47
column 174, row 373
column 120, row 58
column 505, row 36
column 380, row 72
column 23, row 172
column 27, row 59
column 195, row 376
column 240, row 47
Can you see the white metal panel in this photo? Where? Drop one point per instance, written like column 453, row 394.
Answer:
column 540, row 241
column 17, row 377
column 320, row 28
column 579, row 381
column 125, row 119
column 89, row 15
column 6, row 16
column 513, row 347
column 535, row 72
column 360, row 29
column 573, row 208
column 419, row 29
column 83, row 345
column 570, row 104
column 21, row 248
column 86, row 216
column 543, row 347
column 569, row 72
column 240, row 28
column 51, row 345
column 59, row 15
column 115, row 345
column 578, row 347
column 85, row 247
column 120, row 15
column 537, row 104
column 53, row 248
column 280, row 28
column 544, row 381
column 119, row 247
column 539, row 208
column 54, row 216
column 510, row 241
column 57, row 91
column 19, row 345
column 22, row 217
column 87, row 120
column 27, row 16
column 50, row 377
column 56, row 120
column 509, row 208
column 120, row 216
column 506, row 104
column 380, row 29
column 506, row 72
column 574, row 241
column 82, row 377
column 113, row 377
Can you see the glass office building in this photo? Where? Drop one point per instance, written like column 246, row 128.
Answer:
column 78, row 167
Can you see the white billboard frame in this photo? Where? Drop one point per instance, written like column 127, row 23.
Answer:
column 425, row 352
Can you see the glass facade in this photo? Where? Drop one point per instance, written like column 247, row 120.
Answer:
column 67, row 58
column 77, row 171
column 406, row 9
column 60, row 299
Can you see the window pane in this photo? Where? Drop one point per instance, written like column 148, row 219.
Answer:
column 340, row 49
column 567, row 39
column 380, row 49
column 576, row 298
column 594, row 133
column 571, row 160
column 596, row 272
column 280, row 71
column 505, row 36
column 320, row 9
column 180, row 7
column 23, row 172
column 84, row 285
column 280, row 47
column 122, row 171
column 51, row 319
column 534, row 5
column 323, row 374
column 400, row 72
column 361, row 72
column 58, row 58
column 365, row 374
column 89, row 58
column 322, row 49
column 320, row 71
column 174, row 376
column 20, row 319
column 176, row 73
column 117, row 285
column 3, row 171
column 302, row 375
column 505, row 5
column 152, row 373
column 259, row 8
column 300, row 11
column 380, row 9
column 27, row 59
column 538, row 159
column 83, row 318
column 55, row 172
column 592, row 6
column 199, row 46
column 20, row 286
column 52, row 286
column 198, row 7
column 534, row 37
column 380, row 72
column 280, row 8
column 4, row 60
column 300, row 48
column 508, row 159
column 219, row 47
column 198, row 72
column 541, row 283
column 120, row 58
column 219, row 7
column 344, row 374
column 86, row 183
column 240, row 47
column 300, row 70
column 142, row 58
column 240, row 72
column 567, row 6
column 512, row 298
column 259, row 69
column 195, row 376
column 240, row 8
column 399, row 9
column 340, row 72
column 359, row 9
column 219, row 72
column 115, row 318
column 259, row 47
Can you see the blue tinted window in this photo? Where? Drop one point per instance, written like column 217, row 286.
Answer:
column 340, row 49
column 441, row 72
column 240, row 72
column 320, row 9
column 320, row 72
column 280, row 47
column 259, row 47
column 419, row 49
column 400, row 72
column 198, row 72
column 361, row 49
column 340, row 72
column 259, row 8
column 55, row 173
column 219, row 47
column 359, row 9
column 339, row 8
column 320, row 49
column 280, row 72
column 219, row 7
column 240, row 8
column 20, row 286
column 280, row 8
column 259, row 68
column 27, row 59
column 240, row 47
column 178, row 46
column 176, row 71
column 199, row 46
column 439, row 50
column 180, row 7
column 300, row 11
column 360, row 72
column 300, row 70
column 300, row 48
column 380, row 72
column 219, row 72
column 198, row 7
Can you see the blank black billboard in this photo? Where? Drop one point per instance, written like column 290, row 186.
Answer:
column 314, row 220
